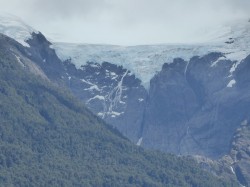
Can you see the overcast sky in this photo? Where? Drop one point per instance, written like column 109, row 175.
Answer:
column 126, row 22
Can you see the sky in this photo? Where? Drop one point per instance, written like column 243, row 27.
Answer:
column 127, row 22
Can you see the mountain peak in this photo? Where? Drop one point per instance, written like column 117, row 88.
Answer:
column 15, row 28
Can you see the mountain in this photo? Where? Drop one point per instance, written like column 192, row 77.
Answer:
column 145, row 61
column 183, row 99
column 154, row 118
column 181, row 90
column 49, row 139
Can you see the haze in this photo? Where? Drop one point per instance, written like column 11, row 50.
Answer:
column 127, row 22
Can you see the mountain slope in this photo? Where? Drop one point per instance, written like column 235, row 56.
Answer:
column 192, row 106
column 196, row 85
column 188, row 105
column 49, row 139
column 199, row 94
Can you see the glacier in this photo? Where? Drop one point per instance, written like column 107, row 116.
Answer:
column 232, row 39
column 144, row 61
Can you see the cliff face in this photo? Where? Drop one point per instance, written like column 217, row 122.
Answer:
column 195, row 107
column 192, row 107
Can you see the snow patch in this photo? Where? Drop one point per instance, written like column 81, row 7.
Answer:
column 234, row 66
column 19, row 61
column 122, row 102
column 99, row 97
column 214, row 64
column 232, row 169
column 93, row 87
column 87, row 82
column 113, row 74
column 100, row 114
column 140, row 99
column 231, row 83
column 139, row 142
column 114, row 97
column 116, row 113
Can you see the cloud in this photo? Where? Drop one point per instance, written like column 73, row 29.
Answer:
column 68, row 8
column 126, row 21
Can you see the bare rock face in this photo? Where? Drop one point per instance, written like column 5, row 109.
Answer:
column 110, row 91
column 191, row 108
column 113, row 93
column 171, row 103
column 195, row 107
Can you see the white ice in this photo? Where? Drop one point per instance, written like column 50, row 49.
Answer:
column 231, row 83
column 146, row 60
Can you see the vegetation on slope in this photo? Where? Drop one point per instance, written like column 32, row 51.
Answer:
column 48, row 139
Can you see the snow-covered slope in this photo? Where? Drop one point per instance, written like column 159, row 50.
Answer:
column 15, row 28
column 144, row 61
